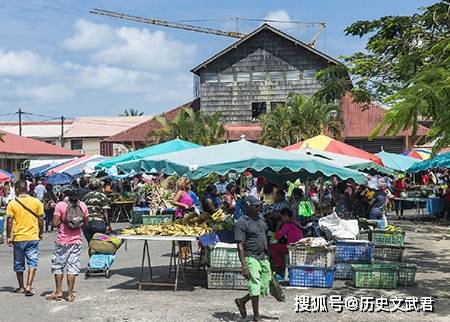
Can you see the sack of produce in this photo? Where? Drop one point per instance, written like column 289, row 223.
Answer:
column 102, row 246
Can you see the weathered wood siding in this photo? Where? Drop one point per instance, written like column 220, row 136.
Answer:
column 265, row 52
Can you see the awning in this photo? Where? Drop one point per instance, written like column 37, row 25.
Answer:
column 238, row 157
column 395, row 161
column 439, row 161
column 76, row 166
column 5, row 176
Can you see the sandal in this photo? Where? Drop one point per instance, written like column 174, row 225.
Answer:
column 70, row 298
column 53, row 297
column 29, row 293
column 19, row 290
column 242, row 309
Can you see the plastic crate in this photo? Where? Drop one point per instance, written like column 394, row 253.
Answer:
column 301, row 255
column 390, row 253
column 383, row 237
column 158, row 219
column 343, row 271
column 208, row 239
column 406, row 274
column 136, row 216
column 222, row 257
column 354, row 251
column 226, row 279
column 375, row 275
column 308, row 276
column 364, row 235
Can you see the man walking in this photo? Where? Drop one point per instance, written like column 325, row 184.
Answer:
column 24, row 229
column 251, row 236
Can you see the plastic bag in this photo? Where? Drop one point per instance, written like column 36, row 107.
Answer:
column 336, row 228
column 275, row 290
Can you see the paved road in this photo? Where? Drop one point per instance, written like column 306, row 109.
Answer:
column 117, row 299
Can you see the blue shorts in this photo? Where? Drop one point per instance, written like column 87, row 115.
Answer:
column 26, row 250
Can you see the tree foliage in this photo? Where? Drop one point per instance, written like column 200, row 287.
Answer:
column 131, row 112
column 298, row 119
column 406, row 66
column 192, row 126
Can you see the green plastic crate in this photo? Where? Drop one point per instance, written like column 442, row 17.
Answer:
column 222, row 257
column 158, row 219
column 136, row 217
column 383, row 237
column 375, row 275
column 364, row 235
column 406, row 274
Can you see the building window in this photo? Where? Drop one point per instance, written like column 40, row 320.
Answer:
column 292, row 75
column 274, row 105
column 258, row 76
column 226, row 78
column 242, row 77
column 210, row 77
column 309, row 73
column 276, row 76
column 258, row 108
column 76, row 144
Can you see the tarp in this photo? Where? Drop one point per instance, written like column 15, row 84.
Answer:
column 440, row 161
column 80, row 167
column 41, row 169
column 76, row 166
column 325, row 143
column 276, row 165
column 59, row 179
column 5, row 175
column 421, row 154
column 395, row 161
column 166, row 147
column 349, row 162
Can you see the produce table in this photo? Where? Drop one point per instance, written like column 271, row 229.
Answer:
column 121, row 210
column 419, row 204
column 146, row 257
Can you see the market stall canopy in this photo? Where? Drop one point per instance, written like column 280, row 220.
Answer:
column 395, row 161
column 75, row 167
column 162, row 148
column 421, row 154
column 5, row 176
column 325, row 143
column 349, row 162
column 439, row 161
column 40, row 169
column 276, row 165
column 59, row 179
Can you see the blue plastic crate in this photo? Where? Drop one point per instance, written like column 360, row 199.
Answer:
column 354, row 251
column 308, row 276
column 209, row 239
column 101, row 261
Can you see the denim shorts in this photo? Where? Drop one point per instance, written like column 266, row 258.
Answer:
column 26, row 250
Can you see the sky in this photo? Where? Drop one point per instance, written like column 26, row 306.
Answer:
column 58, row 59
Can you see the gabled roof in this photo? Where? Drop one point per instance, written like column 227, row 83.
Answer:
column 139, row 133
column 15, row 144
column 360, row 119
column 256, row 31
column 36, row 129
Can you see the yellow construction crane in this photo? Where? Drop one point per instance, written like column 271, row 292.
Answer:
column 233, row 34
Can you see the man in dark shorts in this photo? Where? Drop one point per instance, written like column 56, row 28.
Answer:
column 251, row 236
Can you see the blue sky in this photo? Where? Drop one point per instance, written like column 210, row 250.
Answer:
column 57, row 59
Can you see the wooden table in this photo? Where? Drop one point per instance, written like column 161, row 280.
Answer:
column 146, row 258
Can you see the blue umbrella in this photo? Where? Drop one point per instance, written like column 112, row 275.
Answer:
column 60, row 179
column 8, row 174
column 439, row 161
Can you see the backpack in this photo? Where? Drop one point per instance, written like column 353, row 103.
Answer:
column 74, row 217
column 305, row 208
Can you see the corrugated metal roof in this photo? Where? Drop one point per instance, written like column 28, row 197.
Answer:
column 236, row 131
column 102, row 126
column 36, row 129
column 15, row 144
column 139, row 133
column 360, row 119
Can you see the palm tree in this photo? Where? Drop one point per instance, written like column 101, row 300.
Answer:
column 131, row 112
column 196, row 127
column 299, row 119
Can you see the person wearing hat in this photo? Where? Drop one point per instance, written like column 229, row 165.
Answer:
column 251, row 236
column 399, row 187
column 378, row 203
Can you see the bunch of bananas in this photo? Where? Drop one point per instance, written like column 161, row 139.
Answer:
column 393, row 229
column 219, row 215
column 169, row 229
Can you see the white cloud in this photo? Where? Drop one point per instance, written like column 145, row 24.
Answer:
column 89, row 36
column 50, row 93
column 279, row 15
column 25, row 63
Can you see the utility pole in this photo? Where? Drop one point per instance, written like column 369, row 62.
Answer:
column 62, row 131
column 20, row 121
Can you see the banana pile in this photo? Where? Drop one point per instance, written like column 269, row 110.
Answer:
column 219, row 215
column 393, row 229
column 169, row 229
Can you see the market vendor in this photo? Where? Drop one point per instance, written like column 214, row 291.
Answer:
column 182, row 199
column 399, row 187
column 230, row 198
column 290, row 232
column 210, row 202
column 378, row 204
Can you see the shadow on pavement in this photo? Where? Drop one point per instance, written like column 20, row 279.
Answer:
column 233, row 317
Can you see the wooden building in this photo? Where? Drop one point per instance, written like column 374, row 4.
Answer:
column 255, row 74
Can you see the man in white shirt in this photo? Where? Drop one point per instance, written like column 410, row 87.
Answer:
column 39, row 191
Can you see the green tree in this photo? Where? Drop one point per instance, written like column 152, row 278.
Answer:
column 131, row 112
column 406, row 66
column 299, row 119
column 189, row 125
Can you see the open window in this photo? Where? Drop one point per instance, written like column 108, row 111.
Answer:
column 258, row 108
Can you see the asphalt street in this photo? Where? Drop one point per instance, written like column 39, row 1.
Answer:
column 118, row 298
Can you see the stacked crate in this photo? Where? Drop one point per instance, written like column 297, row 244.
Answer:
column 224, row 267
column 349, row 252
column 311, row 266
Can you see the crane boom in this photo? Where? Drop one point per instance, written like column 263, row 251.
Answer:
column 165, row 23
